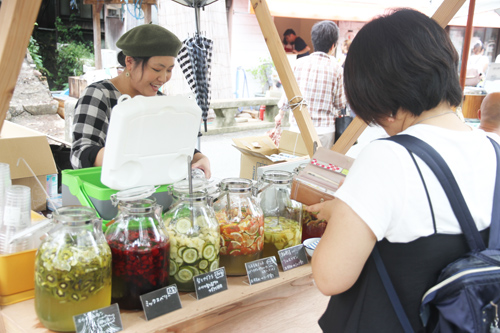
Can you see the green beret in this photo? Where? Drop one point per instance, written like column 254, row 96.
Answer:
column 149, row 40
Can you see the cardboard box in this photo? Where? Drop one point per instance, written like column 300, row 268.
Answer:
column 77, row 86
column 255, row 151
column 17, row 141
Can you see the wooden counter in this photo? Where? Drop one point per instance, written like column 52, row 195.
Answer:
column 290, row 303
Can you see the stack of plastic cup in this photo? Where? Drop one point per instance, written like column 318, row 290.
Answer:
column 5, row 183
column 16, row 217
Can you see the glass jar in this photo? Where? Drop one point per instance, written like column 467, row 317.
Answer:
column 311, row 225
column 194, row 234
column 282, row 215
column 140, row 247
column 241, row 224
column 72, row 269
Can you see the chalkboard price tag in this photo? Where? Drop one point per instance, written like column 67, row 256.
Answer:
column 292, row 257
column 161, row 301
column 262, row 270
column 210, row 283
column 103, row 320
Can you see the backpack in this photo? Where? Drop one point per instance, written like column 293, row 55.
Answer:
column 466, row 296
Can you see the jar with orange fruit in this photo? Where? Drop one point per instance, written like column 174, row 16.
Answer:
column 241, row 224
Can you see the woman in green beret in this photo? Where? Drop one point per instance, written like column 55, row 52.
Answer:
column 148, row 57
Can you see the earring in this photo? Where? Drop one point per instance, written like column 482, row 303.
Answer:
column 127, row 74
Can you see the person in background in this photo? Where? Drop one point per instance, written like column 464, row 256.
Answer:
column 345, row 48
column 288, row 47
column 489, row 113
column 320, row 80
column 408, row 85
column 148, row 57
column 477, row 59
column 300, row 47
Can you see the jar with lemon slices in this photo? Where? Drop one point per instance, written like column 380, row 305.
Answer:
column 282, row 215
column 241, row 225
column 194, row 235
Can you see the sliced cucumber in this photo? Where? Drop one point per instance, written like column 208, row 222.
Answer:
column 184, row 274
column 190, row 255
column 173, row 268
column 209, row 252
column 183, row 226
column 194, row 270
column 214, row 265
column 203, row 264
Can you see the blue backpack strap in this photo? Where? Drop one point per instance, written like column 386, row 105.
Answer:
column 391, row 292
column 494, row 240
column 445, row 177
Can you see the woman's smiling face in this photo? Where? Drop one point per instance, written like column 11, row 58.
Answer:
column 147, row 78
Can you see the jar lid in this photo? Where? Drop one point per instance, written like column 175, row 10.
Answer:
column 132, row 194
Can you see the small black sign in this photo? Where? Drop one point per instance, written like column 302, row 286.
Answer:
column 262, row 270
column 210, row 283
column 161, row 301
column 104, row 320
column 292, row 257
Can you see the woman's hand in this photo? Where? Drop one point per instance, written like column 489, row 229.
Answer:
column 323, row 209
column 202, row 162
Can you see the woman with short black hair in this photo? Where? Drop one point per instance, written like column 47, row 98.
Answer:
column 401, row 74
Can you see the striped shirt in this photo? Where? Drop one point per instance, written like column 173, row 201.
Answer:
column 320, row 80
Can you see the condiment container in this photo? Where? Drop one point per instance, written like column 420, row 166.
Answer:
column 194, row 234
column 140, row 247
column 241, row 225
column 72, row 269
column 282, row 215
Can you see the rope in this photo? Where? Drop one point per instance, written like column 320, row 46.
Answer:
column 302, row 102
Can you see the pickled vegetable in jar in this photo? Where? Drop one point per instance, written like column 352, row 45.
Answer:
column 282, row 215
column 72, row 269
column 311, row 225
column 140, row 247
column 194, row 236
column 241, row 225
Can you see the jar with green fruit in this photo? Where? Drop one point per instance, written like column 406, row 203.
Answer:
column 140, row 247
column 194, row 234
column 72, row 269
column 282, row 215
column 241, row 224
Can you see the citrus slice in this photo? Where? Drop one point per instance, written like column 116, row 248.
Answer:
column 209, row 252
column 190, row 255
column 183, row 226
column 184, row 275
column 173, row 268
column 214, row 265
column 203, row 264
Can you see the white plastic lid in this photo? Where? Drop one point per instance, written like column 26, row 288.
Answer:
column 136, row 193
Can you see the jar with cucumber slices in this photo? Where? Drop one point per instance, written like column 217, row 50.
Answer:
column 194, row 236
column 140, row 247
column 72, row 269
column 282, row 215
column 241, row 225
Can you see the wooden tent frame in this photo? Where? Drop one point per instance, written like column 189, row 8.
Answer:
column 17, row 18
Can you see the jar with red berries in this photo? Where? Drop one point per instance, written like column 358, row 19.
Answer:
column 140, row 247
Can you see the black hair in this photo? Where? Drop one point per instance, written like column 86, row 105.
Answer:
column 289, row 32
column 137, row 60
column 324, row 35
column 400, row 60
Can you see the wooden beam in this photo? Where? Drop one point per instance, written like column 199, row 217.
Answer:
column 442, row 16
column 446, row 11
column 117, row 2
column 285, row 73
column 147, row 14
column 17, row 19
column 467, row 39
column 96, row 21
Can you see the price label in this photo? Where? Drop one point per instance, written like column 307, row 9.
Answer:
column 104, row 320
column 292, row 257
column 161, row 301
column 210, row 283
column 262, row 270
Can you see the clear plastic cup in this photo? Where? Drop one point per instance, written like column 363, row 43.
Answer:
column 16, row 217
column 5, row 183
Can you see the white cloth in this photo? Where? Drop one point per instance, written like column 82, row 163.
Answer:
column 383, row 186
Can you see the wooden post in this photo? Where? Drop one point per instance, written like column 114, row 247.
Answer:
column 17, row 19
column 467, row 39
column 147, row 14
column 285, row 73
column 96, row 20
